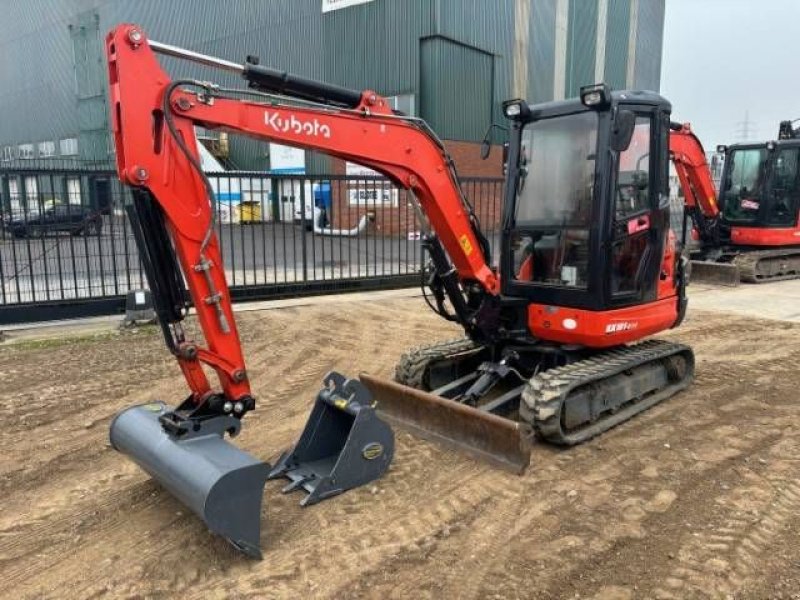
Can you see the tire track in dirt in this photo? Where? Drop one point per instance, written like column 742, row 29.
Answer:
column 306, row 375
column 110, row 513
column 631, row 509
column 438, row 524
column 627, row 564
column 463, row 548
column 716, row 565
column 409, row 528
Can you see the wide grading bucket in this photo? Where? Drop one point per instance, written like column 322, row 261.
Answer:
column 218, row 482
column 502, row 442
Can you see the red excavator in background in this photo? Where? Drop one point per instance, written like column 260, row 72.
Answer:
column 587, row 265
column 752, row 233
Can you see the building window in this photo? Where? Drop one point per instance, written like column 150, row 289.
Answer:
column 32, row 193
column 68, row 146
column 74, row 190
column 47, row 149
column 13, row 195
column 9, row 153
column 26, row 151
column 404, row 103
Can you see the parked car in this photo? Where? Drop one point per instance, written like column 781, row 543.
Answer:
column 71, row 218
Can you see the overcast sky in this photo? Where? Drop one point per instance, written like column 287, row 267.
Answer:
column 724, row 57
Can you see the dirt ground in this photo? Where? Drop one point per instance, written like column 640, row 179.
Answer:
column 698, row 498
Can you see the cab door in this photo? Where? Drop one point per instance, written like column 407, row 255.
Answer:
column 639, row 216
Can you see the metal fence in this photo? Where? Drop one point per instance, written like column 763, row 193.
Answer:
column 67, row 248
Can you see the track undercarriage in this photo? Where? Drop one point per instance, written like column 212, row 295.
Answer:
column 563, row 395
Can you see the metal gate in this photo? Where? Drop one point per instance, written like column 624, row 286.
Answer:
column 67, row 249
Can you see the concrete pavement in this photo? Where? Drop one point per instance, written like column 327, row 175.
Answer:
column 779, row 301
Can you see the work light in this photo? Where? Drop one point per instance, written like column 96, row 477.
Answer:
column 516, row 109
column 595, row 96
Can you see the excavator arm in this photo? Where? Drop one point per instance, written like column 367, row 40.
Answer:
column 700, row 196
column 153, row 120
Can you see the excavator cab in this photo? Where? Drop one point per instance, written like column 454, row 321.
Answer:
column 586, row 209
column 761, row 185
column 587, row 263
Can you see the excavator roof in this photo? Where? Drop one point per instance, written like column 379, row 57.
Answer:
column 791, row 143
column 571, row 105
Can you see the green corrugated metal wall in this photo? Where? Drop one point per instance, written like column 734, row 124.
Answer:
column 581, row 42
column 378, row 44
column 465, row 111
column 649, row 33
column 90, row 77
column 617, row 33
column 542, row 50
column 489, row 28
column 37, row 77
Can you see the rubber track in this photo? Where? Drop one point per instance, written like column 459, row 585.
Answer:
column 749, row 263
column 545, row 393
column 411, row 369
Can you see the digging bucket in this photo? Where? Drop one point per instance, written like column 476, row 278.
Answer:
column 218, row 482
column 502, row 442
column 343, row 445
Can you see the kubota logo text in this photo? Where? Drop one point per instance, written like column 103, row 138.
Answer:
column 312, row 128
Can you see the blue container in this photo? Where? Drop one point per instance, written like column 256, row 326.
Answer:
column 322, row 195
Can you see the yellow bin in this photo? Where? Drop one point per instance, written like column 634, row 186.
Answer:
column 249, row 212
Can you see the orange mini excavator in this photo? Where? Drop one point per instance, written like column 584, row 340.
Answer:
column 586, row 266
column 753, row 234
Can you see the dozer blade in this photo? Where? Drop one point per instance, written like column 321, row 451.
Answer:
column 343, row 445
column 706, row 271
column 501, row 442
column 218, row 482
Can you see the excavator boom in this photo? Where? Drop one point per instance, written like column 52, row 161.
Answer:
column 700, row 202
column 173, row 217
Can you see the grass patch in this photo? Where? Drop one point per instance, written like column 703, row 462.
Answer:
column 48, row 343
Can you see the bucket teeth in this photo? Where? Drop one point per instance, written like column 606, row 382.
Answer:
column 296, row 484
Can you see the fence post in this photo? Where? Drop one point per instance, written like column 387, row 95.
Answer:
column 303, row 226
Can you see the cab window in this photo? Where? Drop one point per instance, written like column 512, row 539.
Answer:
column 784, row 205
column 633, row 181
column 553, row 215
column 632, row 214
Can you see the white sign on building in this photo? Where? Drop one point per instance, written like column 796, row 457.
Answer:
column 286, row 159
column 329, row 5
column 292, row 200
column 369, row 192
